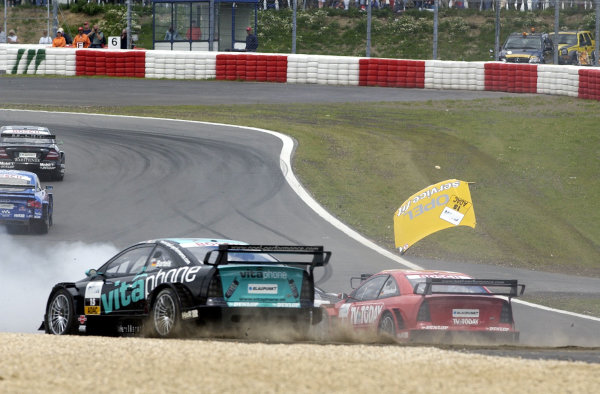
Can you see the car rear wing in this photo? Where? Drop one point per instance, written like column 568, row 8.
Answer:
column 465, row 286
column 319, row 258
column 360, row 279
column 26, row 186
column 25, row 135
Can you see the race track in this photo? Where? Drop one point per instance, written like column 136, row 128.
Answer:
column 130, row 179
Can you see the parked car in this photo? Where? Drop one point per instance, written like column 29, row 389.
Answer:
column 530, row 48
column 575, row 47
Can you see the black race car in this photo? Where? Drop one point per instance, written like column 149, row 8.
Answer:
column 167, row 286
column 31, row 148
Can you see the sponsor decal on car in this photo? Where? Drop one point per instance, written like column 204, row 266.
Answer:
column 365, row 314
column 434, row 327
column 498, row 329
column 465, row 322
column 193, row 314
column 465, row 312
column 262, row 288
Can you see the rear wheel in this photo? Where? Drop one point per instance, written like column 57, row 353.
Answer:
column 60, row 315
column 42, row 225
column 166, row 314
column 387, row 326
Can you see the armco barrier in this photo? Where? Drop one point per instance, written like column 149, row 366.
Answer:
column 583, row 82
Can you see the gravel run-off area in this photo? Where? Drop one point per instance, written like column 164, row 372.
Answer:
column 38, row 363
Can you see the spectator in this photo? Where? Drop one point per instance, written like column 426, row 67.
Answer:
column 81, row 40
column 194, row 33
column 66, row 36
column 2, row 36
column 86, row 28
column 171, row 34
column 12, row 37
column 97, row 38
column 251, row 41
column 59, row 40
column 45, row 38
column 124, row 40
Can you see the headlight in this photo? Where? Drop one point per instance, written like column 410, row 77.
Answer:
column 534, row 59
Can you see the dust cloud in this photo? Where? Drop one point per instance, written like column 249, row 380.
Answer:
column 30, row 267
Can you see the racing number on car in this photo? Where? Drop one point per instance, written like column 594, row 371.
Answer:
column 91, row 305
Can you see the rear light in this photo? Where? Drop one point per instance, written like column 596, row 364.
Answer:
column 3, row 154
column 424, row 314
column 506, row 313
column 34, row 204
column 215, row 289
column 52, row 155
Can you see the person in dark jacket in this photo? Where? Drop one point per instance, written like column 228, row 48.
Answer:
column 251, row 41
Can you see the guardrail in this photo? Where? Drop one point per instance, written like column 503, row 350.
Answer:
column 575, row 81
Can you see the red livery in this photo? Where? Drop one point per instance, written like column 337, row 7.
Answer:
column 429, row 306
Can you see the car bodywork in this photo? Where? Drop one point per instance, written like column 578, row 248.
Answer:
column 24, row 203
column 31, row 148
column 430, row 306
column 575, row 47
column 156, row 287
column 534, row 48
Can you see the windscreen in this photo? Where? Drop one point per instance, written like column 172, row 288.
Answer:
column 15, row 182
column 569, row 39
column 523, row 42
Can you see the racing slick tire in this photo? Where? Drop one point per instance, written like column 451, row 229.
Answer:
column 165, row 318
column 42, row 225
column 60, row 314
column 387, row 327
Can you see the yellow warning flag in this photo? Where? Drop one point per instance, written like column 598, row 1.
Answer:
column 437, row 207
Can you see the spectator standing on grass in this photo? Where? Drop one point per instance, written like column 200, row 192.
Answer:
column 96, row 38
column 12, row 37
column 81, row 40
column 251, row 40
column 2, row 36
column 59, row 40
column 45, row 38
column 124, row 40
column 171, row 34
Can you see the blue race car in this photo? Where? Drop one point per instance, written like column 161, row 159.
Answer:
column 161, row 287
column 23, row 201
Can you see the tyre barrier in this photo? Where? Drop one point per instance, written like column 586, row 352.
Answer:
column 574, row 81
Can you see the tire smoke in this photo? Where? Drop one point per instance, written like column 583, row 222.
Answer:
column 29, row 268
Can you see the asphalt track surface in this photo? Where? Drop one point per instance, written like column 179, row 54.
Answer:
column 130, row 179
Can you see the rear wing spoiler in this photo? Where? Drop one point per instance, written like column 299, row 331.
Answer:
column 319, row 258
column 360, row 279
column 24, row 135
column 27, row 186
column 493, row 286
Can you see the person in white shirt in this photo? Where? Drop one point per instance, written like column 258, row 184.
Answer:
column 45, row 39
column 12, row 37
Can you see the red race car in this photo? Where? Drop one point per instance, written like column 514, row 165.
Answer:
column 428, row 306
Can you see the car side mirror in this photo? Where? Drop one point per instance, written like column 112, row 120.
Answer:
column 49, row 187
column 91, row 273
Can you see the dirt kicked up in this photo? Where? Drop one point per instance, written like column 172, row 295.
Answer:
column 36, row 363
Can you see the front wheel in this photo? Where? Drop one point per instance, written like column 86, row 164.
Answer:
column 60, row 315
column 166, row 314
